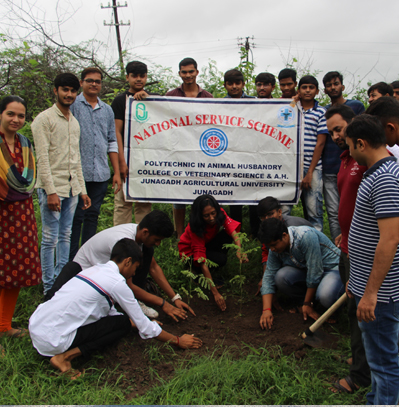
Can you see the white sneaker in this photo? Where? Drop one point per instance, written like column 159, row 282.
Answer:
column 149, row 312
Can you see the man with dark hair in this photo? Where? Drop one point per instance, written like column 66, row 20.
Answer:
column 265, row 83
column 314, row 140
column 302, row 263
column 234, row 83
column 378, row 90
column 395, row 87
column 349, row 177
column 374, row 256
column 154, row 227
column 287, row 82
column 91, row 321
column 136, row 76
column 188, row 72
column 59, row 176
column 97, row 140
column 334, row 87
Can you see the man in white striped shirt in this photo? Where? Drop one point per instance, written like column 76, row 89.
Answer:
column 374, row 256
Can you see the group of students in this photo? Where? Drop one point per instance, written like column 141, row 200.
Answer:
column 81, row 286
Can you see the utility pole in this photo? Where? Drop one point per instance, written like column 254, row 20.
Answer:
column 116, row 23
column 247, row 46
column 246, row 66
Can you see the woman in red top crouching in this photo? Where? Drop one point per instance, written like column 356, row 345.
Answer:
column 208, row 230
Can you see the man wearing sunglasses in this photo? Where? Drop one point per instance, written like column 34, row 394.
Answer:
column 97, row 139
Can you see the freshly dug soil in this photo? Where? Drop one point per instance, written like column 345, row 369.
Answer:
column 140, row 362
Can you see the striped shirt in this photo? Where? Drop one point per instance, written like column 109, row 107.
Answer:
column 377, row 198
column 315, row 123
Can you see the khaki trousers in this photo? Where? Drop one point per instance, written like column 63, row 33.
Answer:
column 123, row 210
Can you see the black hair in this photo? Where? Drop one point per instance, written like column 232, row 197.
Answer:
column 382, row 88
column 90, row 70
column 186, row 62
column 67, row 79
column 266, row 77
column 157, row 223
column 308, row 80
column 344, row 111
column 271, row 229
column 267, row 204
column 197, row 222
column 329, row 76
column 395, row 85
column 136, row 67
column 9, row 99
column 386, row 109
column 287, row 73
column 124, row 249
column 368, row 128
column 233, row 75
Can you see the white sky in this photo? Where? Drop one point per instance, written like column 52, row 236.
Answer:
column 357, row 37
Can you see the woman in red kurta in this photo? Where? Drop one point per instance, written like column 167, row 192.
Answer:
column 19, row 258
column 209, row 228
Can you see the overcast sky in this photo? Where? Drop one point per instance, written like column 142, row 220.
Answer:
column 357, row 37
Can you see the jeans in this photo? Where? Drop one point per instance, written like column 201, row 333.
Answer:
column 292, row 282
column 89, row 217
column 56, row 235
column 380, row 340
column 331, row 199
column 312, row 200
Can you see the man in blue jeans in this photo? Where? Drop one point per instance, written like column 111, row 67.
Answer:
column 97, row 142
column 302, row 263
column 374, row 256
column 59, row 176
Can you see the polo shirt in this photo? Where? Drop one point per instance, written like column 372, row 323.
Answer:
column 179, row 92
column 315, row 124
column 243, row 96
column 97, row 137
column 83, row 300
column 377, row 198
column 59, row 168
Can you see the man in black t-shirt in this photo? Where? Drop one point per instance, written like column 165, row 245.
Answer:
column 136, row 76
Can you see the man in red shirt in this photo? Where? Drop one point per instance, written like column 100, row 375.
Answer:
column 349, row 177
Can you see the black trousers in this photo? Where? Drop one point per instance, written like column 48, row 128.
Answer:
column 359, row 370
column 254, row 221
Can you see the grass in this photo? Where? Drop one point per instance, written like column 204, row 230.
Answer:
column 260, row 376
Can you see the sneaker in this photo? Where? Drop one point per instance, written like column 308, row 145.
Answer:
column 149, row 312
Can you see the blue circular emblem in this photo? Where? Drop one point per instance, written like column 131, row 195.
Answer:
column 286, row 115
column 213, row 142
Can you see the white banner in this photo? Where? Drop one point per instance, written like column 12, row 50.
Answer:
column 239, row 150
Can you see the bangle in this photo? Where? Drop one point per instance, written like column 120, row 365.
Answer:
column 178, row 341
column 267, row 309
column 163, row 303
column 308, row 303
column 176, row 297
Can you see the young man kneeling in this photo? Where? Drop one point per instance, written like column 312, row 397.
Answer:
column 81, row 317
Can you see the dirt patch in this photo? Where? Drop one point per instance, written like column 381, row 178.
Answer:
column 137, row 365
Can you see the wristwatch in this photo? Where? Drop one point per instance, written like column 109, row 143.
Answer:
column 176, row 297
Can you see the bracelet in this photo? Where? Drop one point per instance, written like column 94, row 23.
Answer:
column 267, row 309
column 176, row 297
column 308, row 303
column 178, row 341
column 163, row 303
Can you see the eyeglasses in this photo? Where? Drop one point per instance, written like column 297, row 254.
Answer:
column 91, row 81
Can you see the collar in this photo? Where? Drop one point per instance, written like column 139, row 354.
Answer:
column 378, row 164
column 58, row 111
column 81, row 98
column 316, row 104
column 199, row 89
column 244, row 95
column 290, row 233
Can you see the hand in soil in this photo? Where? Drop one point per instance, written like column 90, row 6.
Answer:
column 189, row 342
column 308, row 311
column 174, row 312
column 266, row 320
column 182, row 305
column 220, row 301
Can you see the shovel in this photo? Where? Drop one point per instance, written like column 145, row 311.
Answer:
column 321, row 339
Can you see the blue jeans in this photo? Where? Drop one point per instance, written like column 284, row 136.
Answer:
column 89, row 217
column 331, row 199
column 380, row 340
column 56, row 234
column 292, row 282
column 312, row 199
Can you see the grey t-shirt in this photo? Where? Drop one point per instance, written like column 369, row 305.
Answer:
column 296, row 221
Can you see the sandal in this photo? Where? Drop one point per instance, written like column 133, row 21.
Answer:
column 20, row 332
column 343, row 389
column 73, row 374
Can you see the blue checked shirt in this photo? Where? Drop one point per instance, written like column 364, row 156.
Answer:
column 97, row 138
